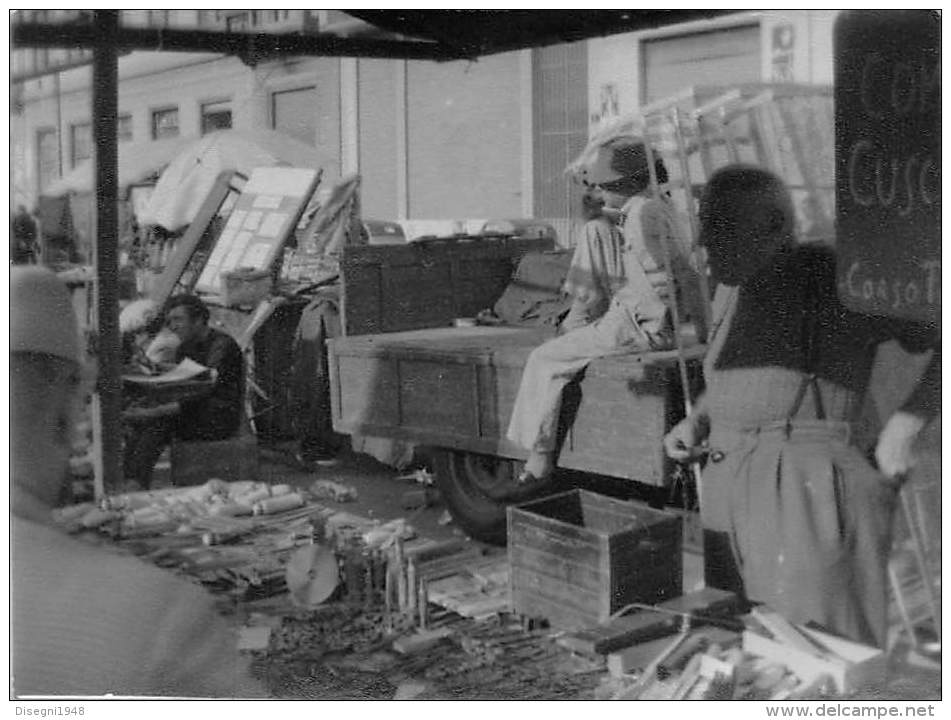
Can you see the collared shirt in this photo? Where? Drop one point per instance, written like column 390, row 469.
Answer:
column 606, row 268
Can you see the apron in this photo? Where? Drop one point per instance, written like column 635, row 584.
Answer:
column 795, row 517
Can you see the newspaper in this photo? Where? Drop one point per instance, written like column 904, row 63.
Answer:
column 186, row 370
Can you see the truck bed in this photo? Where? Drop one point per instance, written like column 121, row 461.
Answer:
column 455, row 387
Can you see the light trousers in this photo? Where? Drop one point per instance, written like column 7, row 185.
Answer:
column 553, row 364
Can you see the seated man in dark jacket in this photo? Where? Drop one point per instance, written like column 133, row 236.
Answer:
column 213, row 415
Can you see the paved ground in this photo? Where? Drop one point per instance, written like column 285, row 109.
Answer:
column 379, row 489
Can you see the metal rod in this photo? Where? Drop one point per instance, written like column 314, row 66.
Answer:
column 692, row 215
column 927, row 575
column 105, row 102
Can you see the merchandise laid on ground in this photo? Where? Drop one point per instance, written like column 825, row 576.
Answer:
column 335, row 605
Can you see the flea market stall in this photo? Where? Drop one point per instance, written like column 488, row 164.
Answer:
column 591, row 598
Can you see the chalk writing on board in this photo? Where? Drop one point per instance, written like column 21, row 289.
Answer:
column 888, row 162
column 877, row 176
column 868, row 284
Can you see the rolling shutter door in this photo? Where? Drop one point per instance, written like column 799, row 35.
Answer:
column 728, row 56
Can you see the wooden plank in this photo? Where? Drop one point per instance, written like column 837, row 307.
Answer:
column 186, row 246
column 622, row 632
column 553, row 564
column 560, row 615
column 438, row 397
column 709, row 601
column 370, row 392
column 529, row 584
column 635, row 658
column 646, row 625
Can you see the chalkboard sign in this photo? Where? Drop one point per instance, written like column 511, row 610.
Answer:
column 265, row 214
column 888, row 162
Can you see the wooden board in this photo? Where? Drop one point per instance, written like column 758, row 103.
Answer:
column 455, row 387
column 266, row 213
column 888, row 162
column 646, row 624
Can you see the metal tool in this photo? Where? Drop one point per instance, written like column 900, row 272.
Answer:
column 312, row 575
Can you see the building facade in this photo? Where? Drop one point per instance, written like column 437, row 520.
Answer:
column 432, row 141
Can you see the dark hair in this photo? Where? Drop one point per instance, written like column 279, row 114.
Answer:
column 737, row 190
column 197, row 310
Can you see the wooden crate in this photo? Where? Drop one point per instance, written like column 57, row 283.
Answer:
column 578, row 557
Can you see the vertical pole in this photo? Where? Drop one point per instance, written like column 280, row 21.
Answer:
column 349, row 115
column 104, row 104
column 402, row 139
column 59, row 126
column 692, row 215
column 526, row 124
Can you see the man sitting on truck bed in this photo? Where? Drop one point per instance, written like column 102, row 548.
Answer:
column 618, row 280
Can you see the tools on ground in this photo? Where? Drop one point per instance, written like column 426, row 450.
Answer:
column 332, row 490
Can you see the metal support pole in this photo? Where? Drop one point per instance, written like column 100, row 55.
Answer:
column 104, row 104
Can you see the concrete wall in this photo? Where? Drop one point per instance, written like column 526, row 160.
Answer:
column 379, row 147
column 463, row 146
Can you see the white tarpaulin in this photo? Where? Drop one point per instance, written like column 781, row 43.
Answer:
column 137, row 162
column 185, row 183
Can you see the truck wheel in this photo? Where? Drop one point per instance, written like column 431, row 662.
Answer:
column 477, row 489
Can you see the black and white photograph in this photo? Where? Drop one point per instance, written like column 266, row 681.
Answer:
column 475, row 355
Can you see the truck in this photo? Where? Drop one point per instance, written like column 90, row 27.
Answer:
column 427, row 381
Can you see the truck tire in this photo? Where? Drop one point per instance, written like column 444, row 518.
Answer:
column 477, row 489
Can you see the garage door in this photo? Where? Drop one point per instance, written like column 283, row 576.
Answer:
column 727, row 56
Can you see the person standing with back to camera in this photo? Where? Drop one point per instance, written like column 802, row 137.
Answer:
column 794, row 514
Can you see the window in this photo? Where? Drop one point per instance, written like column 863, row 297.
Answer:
column 124, row 127
column 215, row 116
column 164, row 123
column 47, row 156
column 294, row 113
column 80, row 143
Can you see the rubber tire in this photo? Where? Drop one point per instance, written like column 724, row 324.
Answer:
column 479, row 513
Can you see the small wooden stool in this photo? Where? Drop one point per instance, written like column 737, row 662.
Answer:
column 194, row 462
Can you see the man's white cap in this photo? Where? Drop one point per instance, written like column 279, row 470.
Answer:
column 42, row 319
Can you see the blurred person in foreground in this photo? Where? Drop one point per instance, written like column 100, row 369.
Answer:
column 84, row 619
column 794, row 513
